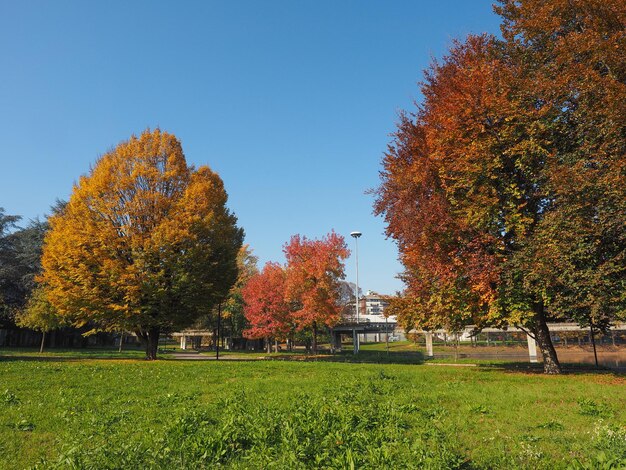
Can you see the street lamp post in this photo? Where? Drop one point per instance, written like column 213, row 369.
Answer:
column 355, row 335
column 356, row 236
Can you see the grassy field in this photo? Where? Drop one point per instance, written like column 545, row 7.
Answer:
column 69, row 412
column 407, row 352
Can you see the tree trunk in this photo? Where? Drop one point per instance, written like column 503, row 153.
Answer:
column 121, row 342
column 219, row 321
column 593, row 342
column 542, row 336
column 151, row 338
column 43, row 340
column 314, row 345
column 386, row 336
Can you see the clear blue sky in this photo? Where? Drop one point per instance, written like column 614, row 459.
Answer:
column 291, row 102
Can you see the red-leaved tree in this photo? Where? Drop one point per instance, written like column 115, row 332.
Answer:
column 314, row 269
column 266, row 309
column 505, row 188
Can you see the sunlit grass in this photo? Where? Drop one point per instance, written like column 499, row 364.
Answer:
column 258, row 414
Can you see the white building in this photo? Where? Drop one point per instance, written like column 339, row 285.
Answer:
column 372, row 306
column 371, row 309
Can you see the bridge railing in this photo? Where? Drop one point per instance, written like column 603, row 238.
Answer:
column 352, row 319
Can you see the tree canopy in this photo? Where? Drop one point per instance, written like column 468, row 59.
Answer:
column 266, row 307
column 305, row 294
column 8, row 275
column 314, row 269
column 145, row 243
column 39, row 314
column 505, row 189
column 20, row 262
column 234, row 313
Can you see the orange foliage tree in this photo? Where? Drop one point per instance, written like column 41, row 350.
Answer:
column 577, row 67
column 461, row 192
column 145, row 243
column 506, row 189
column 314, row 270
column 266, row 308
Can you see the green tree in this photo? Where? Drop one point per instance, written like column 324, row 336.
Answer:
column 234, row 314
column 8, row 276
column 20, row 262
column 39, row 315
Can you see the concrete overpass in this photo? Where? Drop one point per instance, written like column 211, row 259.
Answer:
column 357, row 328
column 194, row 337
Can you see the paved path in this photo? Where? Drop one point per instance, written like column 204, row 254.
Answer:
column 194, row 356
column 450, row 364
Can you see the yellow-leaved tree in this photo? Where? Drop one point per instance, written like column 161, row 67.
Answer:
column 39, row 315
column 145, row 243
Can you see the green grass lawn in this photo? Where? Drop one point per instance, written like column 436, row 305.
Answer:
column 112, row 413
column 52, row 354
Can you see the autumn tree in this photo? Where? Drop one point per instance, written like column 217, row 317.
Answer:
column 145, row 243
column 314, row 269
column 575, row 53
column 461, row 194
column 266, row 308
column 40, row 315
column 409, row 312
column 507, row 145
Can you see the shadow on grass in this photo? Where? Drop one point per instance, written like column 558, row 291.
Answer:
column 345, row 356
column 364, row 356
column 566, row 368
column 31, row 354
column 378, row 357
column 15, row 358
